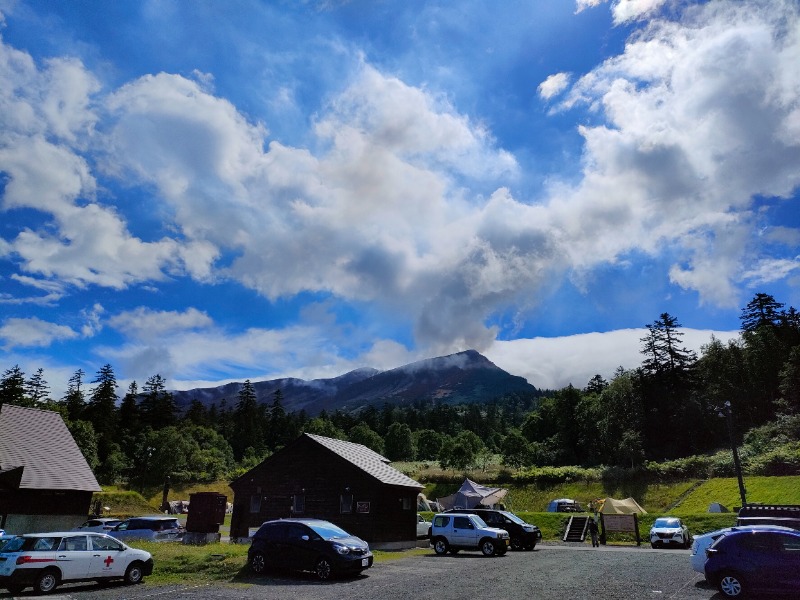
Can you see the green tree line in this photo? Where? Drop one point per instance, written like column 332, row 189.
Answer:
column 671, row 406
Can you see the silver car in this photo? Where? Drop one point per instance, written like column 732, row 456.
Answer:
column 98, row 525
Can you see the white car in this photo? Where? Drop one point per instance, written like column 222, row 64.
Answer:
column 44, row 560
column 99, row 525
column 669, row 531
column 423, row 527
column 704, row 541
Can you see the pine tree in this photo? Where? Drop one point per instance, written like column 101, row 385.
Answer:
column 12, row 387
column 101, row 410
column 249, row 423
column 157, row 407
column 36, row 388
column 74, row 400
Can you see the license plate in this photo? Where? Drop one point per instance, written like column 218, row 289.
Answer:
column 507, row 542
column 364, row 562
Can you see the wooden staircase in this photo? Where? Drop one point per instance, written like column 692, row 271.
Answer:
column 576, row 529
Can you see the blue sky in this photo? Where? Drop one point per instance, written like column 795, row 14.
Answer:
column 216, row 191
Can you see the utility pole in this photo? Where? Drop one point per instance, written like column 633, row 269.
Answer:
column 736, row 463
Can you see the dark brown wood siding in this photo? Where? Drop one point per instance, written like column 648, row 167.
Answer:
column 379, row 512
column 45, row 502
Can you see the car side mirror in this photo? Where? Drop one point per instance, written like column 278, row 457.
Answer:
column 305, row 538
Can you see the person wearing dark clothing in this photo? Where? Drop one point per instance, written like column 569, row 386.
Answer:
column 593, row 531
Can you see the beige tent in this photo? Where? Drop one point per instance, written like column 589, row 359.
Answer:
column 628, row 506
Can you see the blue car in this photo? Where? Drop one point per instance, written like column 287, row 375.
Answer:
column 742, row 563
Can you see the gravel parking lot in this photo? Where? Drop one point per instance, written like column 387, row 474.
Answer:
column 549, row 572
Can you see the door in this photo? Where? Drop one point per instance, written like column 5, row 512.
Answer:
column 787, row 570
column 73, row 557
column 464, row 532
column 301, row 547
column 107, row 557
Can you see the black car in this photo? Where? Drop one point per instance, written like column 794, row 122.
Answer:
column 523, row 535
column 308, row 545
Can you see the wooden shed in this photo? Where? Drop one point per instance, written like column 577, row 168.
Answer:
column 345, row 483
column 45, row 482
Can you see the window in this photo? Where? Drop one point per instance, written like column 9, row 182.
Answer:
column 462, row 523
column 255, row 503
column 298, row 503
column 346, row 503
column 407, row 504
column 73, row 544
column 104, row 543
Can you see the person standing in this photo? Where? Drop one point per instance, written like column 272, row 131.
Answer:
column 593, row 531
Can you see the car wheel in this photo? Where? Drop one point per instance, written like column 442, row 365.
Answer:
column 530, row 545
column 258, row 562
column 440, row 546
column 488, row 547
column 46, row 582
column 516, row 543
column 731, row 585
column 134, row 573
column 323, row 569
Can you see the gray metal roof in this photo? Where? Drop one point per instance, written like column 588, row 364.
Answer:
column 367, row 460
column 39, row 441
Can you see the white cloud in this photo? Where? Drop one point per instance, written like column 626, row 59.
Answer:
column 32, row 332
column 554, row 363
column 629, row 10
column 553, row 85
column 145, row 324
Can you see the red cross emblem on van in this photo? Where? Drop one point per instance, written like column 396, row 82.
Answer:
column 108, row 561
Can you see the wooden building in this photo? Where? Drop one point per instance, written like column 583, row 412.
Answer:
column 45, row 482
column 345, row 483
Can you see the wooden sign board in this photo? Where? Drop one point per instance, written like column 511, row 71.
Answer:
column 620, row 523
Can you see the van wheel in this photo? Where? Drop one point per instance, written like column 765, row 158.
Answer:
column 46, row 582
column 488, row 548
column 440, row 546
column 516, row 543
column 134, row 573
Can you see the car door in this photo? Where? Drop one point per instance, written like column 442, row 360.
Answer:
column 464, row 532
column 108, row 557
column 301, row 549
column 787, row 568
column 72, row 557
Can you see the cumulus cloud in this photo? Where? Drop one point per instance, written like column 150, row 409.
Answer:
column 402, row 201
column 32, row 332
column 553, row 85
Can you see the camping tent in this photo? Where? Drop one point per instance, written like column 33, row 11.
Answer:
column 473, row 494
column 628, row 506
column 716, row 507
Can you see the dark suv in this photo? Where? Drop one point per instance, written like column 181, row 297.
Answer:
column 523, row 535
column 308, row 545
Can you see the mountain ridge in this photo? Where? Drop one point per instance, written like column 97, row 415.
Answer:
column 463, row 377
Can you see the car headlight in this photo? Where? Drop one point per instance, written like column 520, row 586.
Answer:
column 341, row 549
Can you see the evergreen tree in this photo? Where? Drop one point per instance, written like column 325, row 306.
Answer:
column 157, row 407
column 74, row 400
column 277, row 424
column 101, row 410
column 248, row 420
column 36, row 388
column 12, row 387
